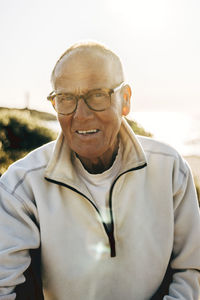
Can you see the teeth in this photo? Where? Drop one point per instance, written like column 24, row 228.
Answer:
column 87, row 131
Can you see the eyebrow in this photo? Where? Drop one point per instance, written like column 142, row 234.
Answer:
column 88, row 91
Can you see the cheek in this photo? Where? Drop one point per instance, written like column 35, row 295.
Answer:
column 112, row 125
column 64, row 123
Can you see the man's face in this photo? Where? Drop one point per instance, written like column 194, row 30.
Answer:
column 91, row 134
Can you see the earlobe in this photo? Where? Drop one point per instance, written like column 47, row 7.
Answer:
column 126, row 100
column 125, row 110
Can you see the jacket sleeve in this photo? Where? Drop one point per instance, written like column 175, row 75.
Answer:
column 18, row 233
column 186, row 250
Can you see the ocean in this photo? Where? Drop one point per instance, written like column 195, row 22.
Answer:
column 180, row 130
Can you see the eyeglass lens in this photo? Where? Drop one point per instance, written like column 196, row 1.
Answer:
column 66, row 103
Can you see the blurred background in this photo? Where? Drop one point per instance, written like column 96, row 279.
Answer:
column 158, row 42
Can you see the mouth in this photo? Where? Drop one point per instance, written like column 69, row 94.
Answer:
column 87, row 132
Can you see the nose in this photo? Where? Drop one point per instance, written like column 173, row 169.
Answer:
column 83, row 112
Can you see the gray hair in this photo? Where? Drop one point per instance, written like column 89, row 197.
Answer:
column 90, row 45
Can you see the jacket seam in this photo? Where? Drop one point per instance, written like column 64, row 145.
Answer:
column 162, row 153
column 169, row 155
column 24, row 176
column 184, row 174
column 17, row 197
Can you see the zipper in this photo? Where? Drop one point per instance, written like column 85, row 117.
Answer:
column 112, row 239
column 77, row 191
column 109, row 229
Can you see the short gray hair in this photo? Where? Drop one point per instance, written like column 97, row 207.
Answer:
column 90, row 45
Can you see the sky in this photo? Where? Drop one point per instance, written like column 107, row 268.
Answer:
column 158, row 42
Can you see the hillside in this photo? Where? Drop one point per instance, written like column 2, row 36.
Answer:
column 33, row 113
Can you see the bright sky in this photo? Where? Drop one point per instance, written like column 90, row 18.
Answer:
column 158, row 42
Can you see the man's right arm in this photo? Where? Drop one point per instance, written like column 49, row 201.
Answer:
column 18, row 233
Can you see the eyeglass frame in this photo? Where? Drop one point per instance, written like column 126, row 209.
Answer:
column 54, row 93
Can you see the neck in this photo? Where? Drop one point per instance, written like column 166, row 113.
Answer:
column 102, row 163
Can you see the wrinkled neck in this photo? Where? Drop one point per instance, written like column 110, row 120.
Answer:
column 102, row 163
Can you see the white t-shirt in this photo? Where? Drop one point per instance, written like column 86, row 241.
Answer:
column 99, row 184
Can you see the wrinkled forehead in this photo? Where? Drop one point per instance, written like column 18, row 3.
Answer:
column 87, row 64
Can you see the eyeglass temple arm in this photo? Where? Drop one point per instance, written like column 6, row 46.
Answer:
column 119, row 87
column 51, row 96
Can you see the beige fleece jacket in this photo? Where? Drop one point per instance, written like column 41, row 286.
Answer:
column 155, row 225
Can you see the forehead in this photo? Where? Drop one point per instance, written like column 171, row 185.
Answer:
column 86, row 69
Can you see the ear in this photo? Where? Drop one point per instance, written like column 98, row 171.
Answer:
column 126, row 100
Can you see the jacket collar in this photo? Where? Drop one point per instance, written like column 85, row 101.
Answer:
column 61, row 169
column 133, row 155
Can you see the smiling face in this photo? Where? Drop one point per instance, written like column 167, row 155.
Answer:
column 92, row 135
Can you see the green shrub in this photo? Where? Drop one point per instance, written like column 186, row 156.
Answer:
column 19, row 134
column 138, row 129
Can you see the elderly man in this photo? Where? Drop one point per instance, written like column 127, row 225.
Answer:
column 115, row 215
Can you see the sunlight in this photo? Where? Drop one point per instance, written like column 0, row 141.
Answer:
column 144, row 14
column 177, row 129
column 99, row 250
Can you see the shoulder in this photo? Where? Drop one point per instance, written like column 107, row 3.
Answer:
column 163, row 155
column 35, row 162
column 154, row 147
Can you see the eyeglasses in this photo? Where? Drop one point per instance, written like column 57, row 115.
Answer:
column 97, row 100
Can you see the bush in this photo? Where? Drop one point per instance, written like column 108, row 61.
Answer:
column 19, row 134
column 138, row 129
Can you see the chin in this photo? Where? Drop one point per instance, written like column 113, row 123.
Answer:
column 90, row 153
